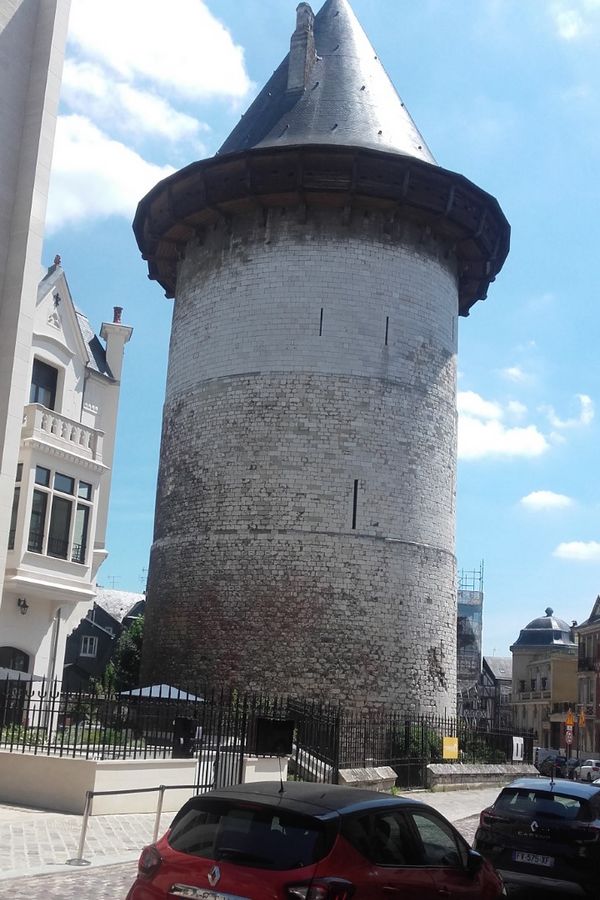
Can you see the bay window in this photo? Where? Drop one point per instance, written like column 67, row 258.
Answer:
column 69, row 503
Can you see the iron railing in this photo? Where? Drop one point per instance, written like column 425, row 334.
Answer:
column 221, row 728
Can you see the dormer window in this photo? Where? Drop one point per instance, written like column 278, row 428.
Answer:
column 43, row 384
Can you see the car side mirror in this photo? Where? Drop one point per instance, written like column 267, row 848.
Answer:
column 474, row 862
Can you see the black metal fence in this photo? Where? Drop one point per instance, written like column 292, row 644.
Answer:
column 223, row 728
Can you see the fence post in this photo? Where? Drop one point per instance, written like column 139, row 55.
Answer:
column 79, row 860
column 159, row 806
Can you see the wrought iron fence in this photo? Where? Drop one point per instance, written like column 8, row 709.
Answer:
column 221, row 729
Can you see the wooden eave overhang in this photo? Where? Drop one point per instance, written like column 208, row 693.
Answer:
column 446, row 204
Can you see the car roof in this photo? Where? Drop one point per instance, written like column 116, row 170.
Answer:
column 557, row 785
column 322, row 801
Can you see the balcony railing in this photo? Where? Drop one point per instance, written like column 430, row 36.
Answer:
column 78, row 553
column 50, row 427
column 588, row 664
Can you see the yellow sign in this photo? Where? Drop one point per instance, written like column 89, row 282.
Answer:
column 570, row 719
column 581, row 719
column 450, row 747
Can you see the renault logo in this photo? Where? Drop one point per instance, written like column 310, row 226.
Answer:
column 534, row 827
column 214, row 875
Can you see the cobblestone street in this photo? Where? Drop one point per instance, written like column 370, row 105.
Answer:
column 104, row 883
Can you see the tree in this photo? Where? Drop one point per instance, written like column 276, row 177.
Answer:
column 127, row 656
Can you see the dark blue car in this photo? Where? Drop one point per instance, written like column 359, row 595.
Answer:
column 545, row 833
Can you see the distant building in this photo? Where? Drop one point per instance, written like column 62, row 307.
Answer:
column 544, row 678
column 90, row 646
column 56, row 538
column 496, row 691
column 588, row 683
column 469, row 629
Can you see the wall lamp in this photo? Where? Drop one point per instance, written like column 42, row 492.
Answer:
column 23, row 605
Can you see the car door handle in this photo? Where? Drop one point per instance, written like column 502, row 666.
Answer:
column 445, row 892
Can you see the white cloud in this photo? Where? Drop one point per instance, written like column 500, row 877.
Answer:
column 94, row 175
column 514, row 373
column 185, row 49
column 541, row 500
column 477, row 439
column 88, row 89
column 516, row 409
column 575, row 19
column 585, row 416
column 579, row 551
column 482, row 433
column 471, row 404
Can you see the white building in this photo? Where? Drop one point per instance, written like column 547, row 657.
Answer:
column 56, row 540
column 33, row 34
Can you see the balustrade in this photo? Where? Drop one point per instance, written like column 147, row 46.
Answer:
column 47, row 425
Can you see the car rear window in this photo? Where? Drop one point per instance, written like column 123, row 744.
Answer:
column 543, row 803
column 249, row 835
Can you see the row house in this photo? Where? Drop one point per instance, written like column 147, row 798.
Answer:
column 59, row 513
column 588, row 682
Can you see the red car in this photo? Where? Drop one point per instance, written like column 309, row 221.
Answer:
column 300, row 841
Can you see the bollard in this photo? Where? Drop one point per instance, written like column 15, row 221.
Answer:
column 79, row 860
column 159, row 806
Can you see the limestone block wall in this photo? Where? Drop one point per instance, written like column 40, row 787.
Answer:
column 304, row 536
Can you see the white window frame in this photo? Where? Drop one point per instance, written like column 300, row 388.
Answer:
column 76, row 501
column 89, row 646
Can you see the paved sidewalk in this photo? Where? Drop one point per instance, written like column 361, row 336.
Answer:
column 34, row 842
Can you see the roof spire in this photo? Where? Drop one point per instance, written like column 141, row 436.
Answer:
column 331, row 89
column 302, row 49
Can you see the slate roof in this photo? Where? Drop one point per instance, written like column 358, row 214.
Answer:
column 499, row 666
column 349, row 99
column 546, row 630
column 117, row 603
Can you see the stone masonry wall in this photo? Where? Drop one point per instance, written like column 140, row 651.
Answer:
column 304, row 536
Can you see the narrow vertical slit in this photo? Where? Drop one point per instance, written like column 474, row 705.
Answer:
column 355, row 503
column 387, row 329
column 321, row 324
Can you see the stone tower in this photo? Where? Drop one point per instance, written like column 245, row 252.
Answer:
column 304, row 534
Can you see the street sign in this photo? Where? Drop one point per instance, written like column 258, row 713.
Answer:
column 581, row 719
column 570, row 718
column 569, row 734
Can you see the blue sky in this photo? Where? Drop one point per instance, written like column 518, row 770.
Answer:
column 507, row 92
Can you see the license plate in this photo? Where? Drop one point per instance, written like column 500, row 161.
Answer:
column 196, row 893
column 533, row 859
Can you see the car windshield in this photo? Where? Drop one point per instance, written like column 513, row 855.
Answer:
column 249, row 835
column 542, row 803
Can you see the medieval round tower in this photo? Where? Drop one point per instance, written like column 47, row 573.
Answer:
column 304, row 533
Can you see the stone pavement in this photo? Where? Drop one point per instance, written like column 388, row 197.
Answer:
column 34, row 842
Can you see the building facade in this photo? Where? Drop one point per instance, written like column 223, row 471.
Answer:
column 56, row 538
column 588, row 683
column 469, row 629
column 544, row 679
column 90, row 645
column 304, row 530
column 33, row 35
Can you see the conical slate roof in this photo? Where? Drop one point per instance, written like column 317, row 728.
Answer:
column 347, row 98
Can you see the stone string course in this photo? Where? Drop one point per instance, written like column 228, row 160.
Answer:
column 282, row 395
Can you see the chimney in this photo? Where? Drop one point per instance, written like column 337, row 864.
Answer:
column 302, row 49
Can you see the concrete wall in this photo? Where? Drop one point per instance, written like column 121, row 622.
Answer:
column 282, row 393
column 60, row 783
